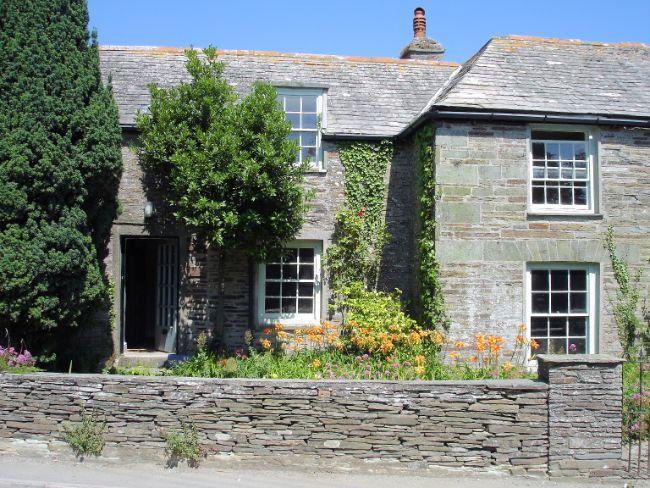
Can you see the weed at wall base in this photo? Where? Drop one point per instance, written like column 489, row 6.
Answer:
column 87, row 437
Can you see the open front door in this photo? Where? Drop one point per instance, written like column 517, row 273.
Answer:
column 166, row 296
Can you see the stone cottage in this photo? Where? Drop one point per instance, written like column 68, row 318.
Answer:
column 540, row 144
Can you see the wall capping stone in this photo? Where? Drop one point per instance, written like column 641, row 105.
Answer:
column 556, row 359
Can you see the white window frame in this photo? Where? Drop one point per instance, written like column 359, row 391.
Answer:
column 593, row 186
column 593, row 298
column 295, row 319
column 319, row 163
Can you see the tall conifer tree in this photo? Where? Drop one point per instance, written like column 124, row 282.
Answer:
column 60, row 166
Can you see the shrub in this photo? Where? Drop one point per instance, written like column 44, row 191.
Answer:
column 374, row 323
column 183, row 445
column 86, row 437
column 636, row 405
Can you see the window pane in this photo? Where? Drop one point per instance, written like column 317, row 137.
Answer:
column 578, row 302
column 557, row 327
column 309, row 153
column 552, row 194
column 308, row 139
column 553, row 173
column 306, row 289
column 290, row 255
column 272, row 289
column 578, row 280
column 580, row 152
column 305, row 305
column 577, row 346
column 557, row 346
column 294, row 119
column 273, row 271
column 289, row 288
column 538, row 194
column 566, row 151
column 289, row 305
column 292, row 103
column 538, row 172
column 309, row 103
column 580, row 195
column 290, row 271
column 540, row 302
column 543, row 346
column 538, row 150
column 566, row 196
column 309, row 121
column 581, row 174
column 539, row 279
column 306, row 255
column 559, row 280
column 538, row 326
column 567, row 174
column 306, row 272
column 272, row 305
column 559, row 303
column 552, row 151
column 577, row 326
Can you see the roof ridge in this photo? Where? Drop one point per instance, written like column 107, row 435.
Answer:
column 160, row 50
column 557, row 40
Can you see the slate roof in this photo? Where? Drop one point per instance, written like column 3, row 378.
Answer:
column 528, row 74
column 375, row 97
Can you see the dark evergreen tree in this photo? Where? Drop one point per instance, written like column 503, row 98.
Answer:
column 60, row 166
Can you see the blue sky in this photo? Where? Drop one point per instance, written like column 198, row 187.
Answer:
column 361, row 27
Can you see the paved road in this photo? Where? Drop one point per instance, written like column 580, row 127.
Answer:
column 47, row 473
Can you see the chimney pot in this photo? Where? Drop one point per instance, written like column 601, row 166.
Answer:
column 419, row 23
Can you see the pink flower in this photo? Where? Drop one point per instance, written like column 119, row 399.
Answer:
column 573, row 348
column 360, row 213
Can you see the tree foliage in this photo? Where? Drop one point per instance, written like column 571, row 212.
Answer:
column 60, row 166
column 224, row 165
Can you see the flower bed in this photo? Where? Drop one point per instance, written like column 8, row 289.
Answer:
column 14, row 360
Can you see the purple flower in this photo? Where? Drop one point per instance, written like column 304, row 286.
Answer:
column 365, row 356
column 357, row 359
column 20, row 359
column 573, row 348
column 2, row 351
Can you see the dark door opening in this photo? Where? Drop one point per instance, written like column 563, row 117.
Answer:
column 149, row 293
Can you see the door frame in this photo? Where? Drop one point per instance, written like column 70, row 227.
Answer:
column 123, row 238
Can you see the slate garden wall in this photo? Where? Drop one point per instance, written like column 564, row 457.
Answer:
column 567, row 424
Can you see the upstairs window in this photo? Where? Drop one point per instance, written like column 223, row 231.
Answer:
column 562, row 171
column 304, row 110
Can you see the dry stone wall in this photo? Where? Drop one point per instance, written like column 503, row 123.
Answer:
column 571, row 419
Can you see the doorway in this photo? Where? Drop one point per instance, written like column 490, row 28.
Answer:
column 149, row 293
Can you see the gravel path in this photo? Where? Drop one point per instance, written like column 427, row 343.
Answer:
column 21, row 472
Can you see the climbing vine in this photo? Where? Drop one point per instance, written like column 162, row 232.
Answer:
column 360, row 230
column 431, row 300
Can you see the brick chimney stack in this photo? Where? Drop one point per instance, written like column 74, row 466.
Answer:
column 422, row 47
column 419, row 23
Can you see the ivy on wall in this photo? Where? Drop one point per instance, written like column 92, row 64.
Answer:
column 431, row 300
column 360, row 233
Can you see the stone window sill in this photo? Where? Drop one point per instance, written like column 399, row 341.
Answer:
column 563, row 216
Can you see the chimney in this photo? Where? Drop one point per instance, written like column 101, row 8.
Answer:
column 421, row 47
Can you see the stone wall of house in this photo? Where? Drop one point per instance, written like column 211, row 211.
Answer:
column 198, row 268
column 485, row 235
column 572, row 417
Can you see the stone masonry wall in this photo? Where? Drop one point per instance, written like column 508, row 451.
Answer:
column 198, row 273
column 485, row 234
column 584, row 404
column 463, row 424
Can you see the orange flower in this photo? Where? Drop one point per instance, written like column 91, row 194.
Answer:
column 267, row 331
column 522, row 328
column 486, row 359
column 473, row 359
column 438, row 338
column 534, row 344
column 278, row 327
column 507, row 366
column 419, row 370
column 460, row 344
column 297, row 332
column 453, row 355
column 316, row 363
column 419, row 359
column 415, row 338
column 389, row 359
column 266, row 344
column 520, row 340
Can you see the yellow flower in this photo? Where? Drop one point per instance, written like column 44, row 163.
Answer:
column 419, row 359
column 415, row 337
column 460, row 344
column 453, row 355
column 266, row 344
column 438, row 338
column 419, row 370
column 316, row 363
column 298, row 332
column 507, row 366
column 292, row 347
column 278, row 327
column 339, row 345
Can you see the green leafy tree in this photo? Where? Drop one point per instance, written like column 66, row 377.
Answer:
column 223, row 164
column 60, row 166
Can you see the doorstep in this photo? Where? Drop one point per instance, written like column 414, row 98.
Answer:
column 147, row 359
